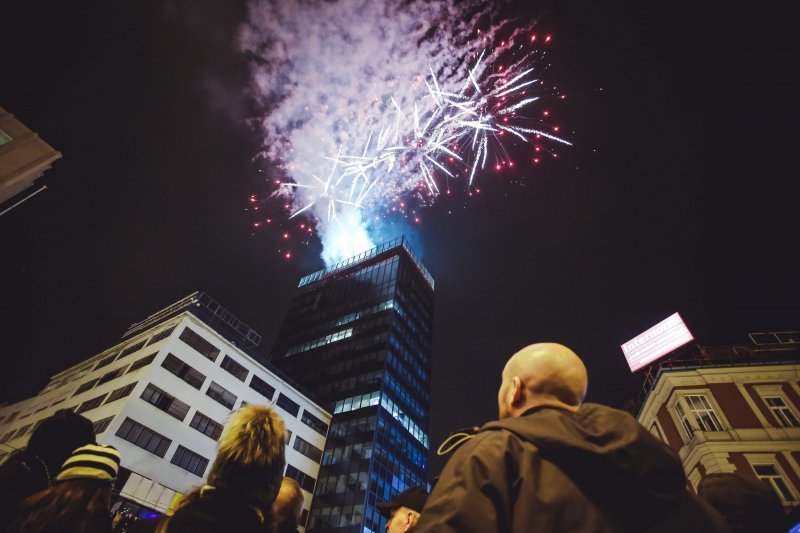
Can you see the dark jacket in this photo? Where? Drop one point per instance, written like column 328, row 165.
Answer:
column 22, row 475
column 554, row 470
column 214, row 512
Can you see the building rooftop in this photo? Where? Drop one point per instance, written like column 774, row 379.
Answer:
column 209, row 311
column 399, row 242
column 767, row 349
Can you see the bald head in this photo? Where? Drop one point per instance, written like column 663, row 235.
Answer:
column 542, row 374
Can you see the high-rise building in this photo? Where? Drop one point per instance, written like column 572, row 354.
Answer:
column 162, row 396
column 24, row 157
column 732, row 409
column 358, row 336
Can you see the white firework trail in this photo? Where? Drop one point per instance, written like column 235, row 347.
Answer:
column 407, row 95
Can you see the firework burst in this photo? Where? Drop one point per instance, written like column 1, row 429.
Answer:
column 386, row 114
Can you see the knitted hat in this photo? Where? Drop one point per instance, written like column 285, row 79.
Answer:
column 92, row 461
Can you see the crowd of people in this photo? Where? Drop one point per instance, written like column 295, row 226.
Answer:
column 549, row 463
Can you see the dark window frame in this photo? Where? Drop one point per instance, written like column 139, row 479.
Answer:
column 287, row 404
column 234, row 368
column 219, row 393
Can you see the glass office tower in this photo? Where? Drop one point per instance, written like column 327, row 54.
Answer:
column 358, row 337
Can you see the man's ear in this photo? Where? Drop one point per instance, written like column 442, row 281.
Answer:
column 411, row 520
column 517, row 392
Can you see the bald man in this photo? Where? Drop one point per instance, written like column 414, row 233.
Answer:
column 553, row 463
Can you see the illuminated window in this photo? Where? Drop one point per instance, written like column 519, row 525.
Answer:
column 769, row 474
column 5, row 138
column 696, row 413
column 782, row 412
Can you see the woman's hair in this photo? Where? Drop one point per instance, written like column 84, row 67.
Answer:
column 287, row 505
column 73, row 505
column 250, row 454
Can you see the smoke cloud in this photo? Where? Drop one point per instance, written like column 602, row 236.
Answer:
column 346, row 79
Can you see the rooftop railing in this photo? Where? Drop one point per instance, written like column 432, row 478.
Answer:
column 399, row 242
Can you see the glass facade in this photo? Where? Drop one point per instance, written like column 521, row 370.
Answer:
column 358, row 337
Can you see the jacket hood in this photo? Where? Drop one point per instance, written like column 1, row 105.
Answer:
column 609, row 456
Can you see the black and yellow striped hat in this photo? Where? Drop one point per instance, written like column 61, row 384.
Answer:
column 92, row 461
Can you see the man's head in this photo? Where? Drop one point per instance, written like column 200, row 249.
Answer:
column 288, row 505
column 250, row 453
column 545, row 374
column 404, row 509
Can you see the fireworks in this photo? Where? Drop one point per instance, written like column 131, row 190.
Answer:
column 410, row 117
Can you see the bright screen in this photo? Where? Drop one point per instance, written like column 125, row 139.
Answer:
column 656, row 342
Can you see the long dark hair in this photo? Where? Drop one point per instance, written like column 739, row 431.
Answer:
column 75, row 505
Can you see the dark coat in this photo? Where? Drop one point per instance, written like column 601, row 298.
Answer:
column 22, row 475
column 554, row 470
column 215, row 512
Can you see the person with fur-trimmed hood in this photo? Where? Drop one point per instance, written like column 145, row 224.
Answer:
column 243, row 480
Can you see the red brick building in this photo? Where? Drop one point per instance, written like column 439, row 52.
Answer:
column 733, row 409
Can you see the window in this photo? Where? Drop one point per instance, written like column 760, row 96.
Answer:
column 704, row 414
column 357, row 402
column 262, row 387
column 7, row 436
column 132, row 348
column 206, row 426
column 220, row 394
column 164, row 401
column 769, row 474
column 107, row 361
column 143, row 437
column 314, row 423
column 288, row 437
column 238, row 371
column 86, row 386
column 144, row 361
column 102, row 425
column 188, row 460
column 114, row 374
column 12, row 416
column 120, row 393
column 306, row 482
column 695, row 413
column 184, row 371
column 307, row 449
column 160, row 336
column 22, row 430
column 288, row 405
column 687, row 426
column 5, row 138
column 199, row 343
column 88, row 405
column 782, row 412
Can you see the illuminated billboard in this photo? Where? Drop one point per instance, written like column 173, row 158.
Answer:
column 656, row 342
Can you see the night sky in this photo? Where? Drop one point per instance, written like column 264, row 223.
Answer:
column 679, row 195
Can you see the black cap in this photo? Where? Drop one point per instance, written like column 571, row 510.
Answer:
column 413, row 498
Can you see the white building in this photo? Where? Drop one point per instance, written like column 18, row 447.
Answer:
column 162, row 396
